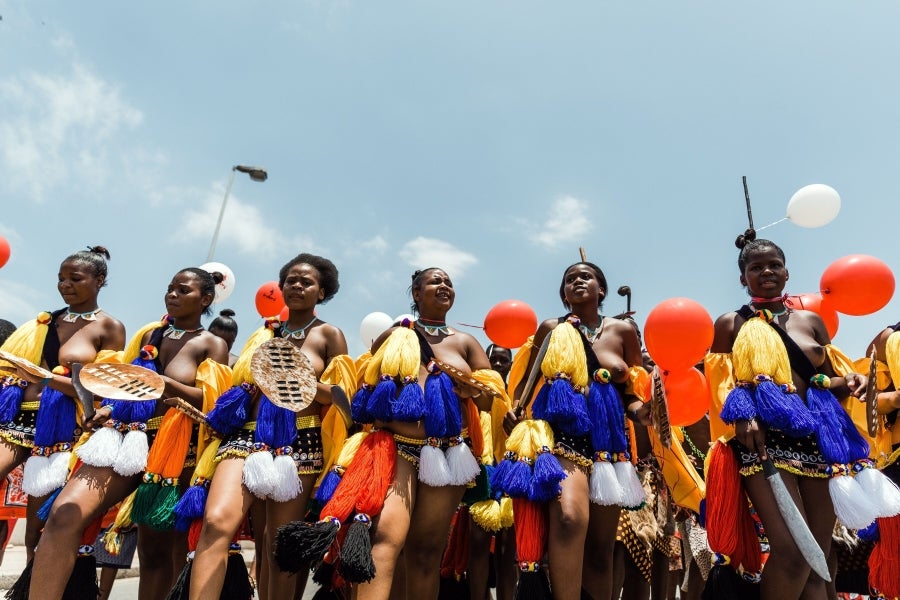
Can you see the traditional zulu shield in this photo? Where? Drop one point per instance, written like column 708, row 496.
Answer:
column 659, row 409
column 284, row 374
column 27, row 366
column 122, row 382
column 457, row 375
column 872, row 398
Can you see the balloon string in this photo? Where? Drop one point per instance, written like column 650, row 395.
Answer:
column 472, row 326
column 770, row 224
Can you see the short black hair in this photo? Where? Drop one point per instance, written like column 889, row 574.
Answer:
column 328, row 273
column 6, row 330
column 225, row 322
column 94, row 257
column 601, row 278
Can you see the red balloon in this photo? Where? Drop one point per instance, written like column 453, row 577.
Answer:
column 509, row 323
column 4, row 251
column 678, row 333
column 820, row 306
column 687, row 396
column 269, row 300
column 857, row 284
column 284, row 314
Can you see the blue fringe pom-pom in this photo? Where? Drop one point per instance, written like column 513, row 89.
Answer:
column 435, row 410
column 517, row 483
column 10, row 402
column 275, row 426
column 230, row 412
column 539, row 404
column 489, row 473
column 410, row 403
column 359, row 404
column 829, row 434
column 838, row 437
column 618, row 440
column 190, row 506
column 452, row 415
column 740, row 405
column 870, row 533
column 498, row 476
column 43, row 512
column 598, row 405
column 55, row 421
column 127, row 411
column 327, row 487
column 146, row 363
column 701, row 516
column 546, row 478
column 784, row 411
column 379, row 404
column 563, row 407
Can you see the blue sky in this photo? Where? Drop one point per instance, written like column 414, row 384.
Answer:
column 491, row 138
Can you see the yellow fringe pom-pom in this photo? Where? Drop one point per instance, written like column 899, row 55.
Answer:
column 506, row 512
column 759, row 350
column 206, row 464
column 486, row 514
column 398, row 356
column 241, row 371
column 348, row 451
column 565, row 354
column 112, row 539
column 528, row 437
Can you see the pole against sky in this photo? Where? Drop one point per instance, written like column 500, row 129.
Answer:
column 256, row 174
column 491, row 139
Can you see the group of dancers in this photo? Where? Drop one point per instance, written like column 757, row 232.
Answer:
column 414, row 459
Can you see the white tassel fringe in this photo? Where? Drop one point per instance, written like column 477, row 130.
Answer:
column 463, row 466
column 851, row 505
column 881, row 490
column 433, row 467
column 286, row 485
column 605, row 488
column 102, row 448
column 260, row 474
column 132, row 457
column 633, row 494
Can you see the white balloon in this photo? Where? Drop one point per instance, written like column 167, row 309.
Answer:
column 399, row 318
column 226, row 286
column 814, row 205
column 373, row 325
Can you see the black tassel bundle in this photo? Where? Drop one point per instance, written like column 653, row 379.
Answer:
column 237, row 585
column 724, row 583
column 19, row 590
column 300, row 545
column 182, row 588
column 533, row 585
column 356, row 565
column 83, row 584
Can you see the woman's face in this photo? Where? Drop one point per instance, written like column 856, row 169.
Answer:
column 301, row 288
column 77, row 283
column 580, row 285
column 184, row 297
column 435, row 293
column 764, row 273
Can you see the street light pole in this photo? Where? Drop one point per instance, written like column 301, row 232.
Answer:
column 256, row 174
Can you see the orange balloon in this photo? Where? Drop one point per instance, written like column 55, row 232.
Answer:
column 284, row 314
column 4, row 251
column 687, row 396
column 269, row 300
column 820, row 306
column 857, row 284
column 509, row 323
column 678, row 332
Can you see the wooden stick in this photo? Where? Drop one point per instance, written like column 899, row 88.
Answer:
column 583, row 255
column 747, row 199
column 188, row 409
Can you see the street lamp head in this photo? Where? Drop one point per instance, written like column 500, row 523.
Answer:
column 255, row 173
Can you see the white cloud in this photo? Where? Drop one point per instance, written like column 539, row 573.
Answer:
column 14, row 298
column 243, row 225
column 567, row 221
column 59, row 128
column 377, row 244
column 425, row 252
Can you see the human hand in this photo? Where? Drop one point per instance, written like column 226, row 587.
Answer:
column 856, row 383
column 510, row 421
column 639, row 412
column 101, row 416
column 752, row 435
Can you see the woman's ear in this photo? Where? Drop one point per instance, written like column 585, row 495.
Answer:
column 743, row 281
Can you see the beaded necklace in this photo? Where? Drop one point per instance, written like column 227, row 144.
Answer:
column 296, row 334
column 697, row 451
column 434, row 327
column 71, row 317
column 173, row 333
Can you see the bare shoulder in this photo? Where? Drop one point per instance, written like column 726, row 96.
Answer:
column 726, row 328
column 334, row 337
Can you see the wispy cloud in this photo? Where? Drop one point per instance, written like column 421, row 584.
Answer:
column 58, row 128
column 567, row 221
column 14, row 298
column 423, row 252
column 243, row 225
